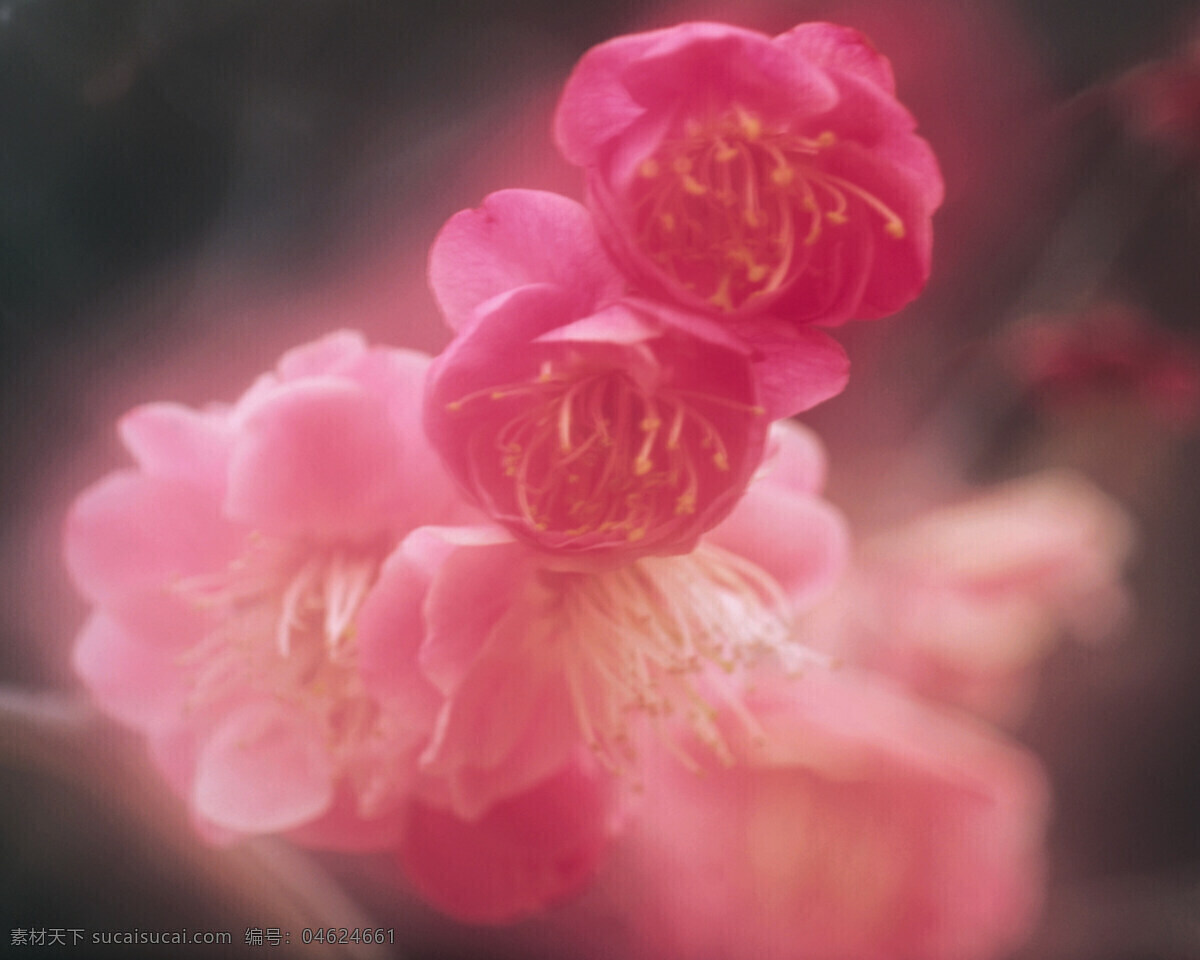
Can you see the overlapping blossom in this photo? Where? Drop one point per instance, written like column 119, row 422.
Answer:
column 593, row 425
column 740, row 174
column 535, row 662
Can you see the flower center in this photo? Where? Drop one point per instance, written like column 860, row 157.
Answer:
column 645, row 637
column 732, row 210
column 592, row 457
column 284, row 628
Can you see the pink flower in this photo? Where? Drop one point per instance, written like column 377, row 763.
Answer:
column 860, row 826
column 535, row 663
column 594, row 427
column 962, row 603
column 739, row 173
column 228, row 570
column 523, row 854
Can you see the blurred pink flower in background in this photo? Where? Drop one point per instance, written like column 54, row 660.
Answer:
column 862, row 826
column 595, row 427
column 227, row 570
column 963, row 602
column 739, row 173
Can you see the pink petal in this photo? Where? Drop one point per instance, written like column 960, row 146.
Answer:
column 795, row 458
column 839, row 48
column 132, row 534
column 466, row 600
column 343, row 830
column 425, row 492
column 317, row 458
column 175, row 442
column 138, row 682
column 524, row 854
column 518, row 237
column 509, row 722
column 695, row 63
column 595, row 105
column 800, row 541
column 795, row 368
column 264, row 769
column 390, row 629
column 329, row 354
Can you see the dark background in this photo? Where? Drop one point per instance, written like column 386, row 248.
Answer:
column 185, row 179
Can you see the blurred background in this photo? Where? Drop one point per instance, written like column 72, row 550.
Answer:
column 187, row 188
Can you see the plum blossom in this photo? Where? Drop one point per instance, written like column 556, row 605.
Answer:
column 595, row 426
column 227, row 571
column 741, row 174
column 863, row 825
column 535, row 663
column 963, row 602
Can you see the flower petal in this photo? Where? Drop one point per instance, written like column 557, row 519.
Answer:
column 133, row 534
column 839, row 48
column 524, row 854
column 800, row 541
column 795, row 368
column 264, row 769
column 177, row 443
column 138, row 682
column 518, row 237
column 316, row 458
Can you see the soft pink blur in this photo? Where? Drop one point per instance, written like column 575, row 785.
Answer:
column 861, row 826
column 962, row 603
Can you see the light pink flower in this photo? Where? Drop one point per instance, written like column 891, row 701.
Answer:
column 228, row 570
column 740, row 173
column 962, row 603
column 594, row 427
column 859, row 826
column 534, row 662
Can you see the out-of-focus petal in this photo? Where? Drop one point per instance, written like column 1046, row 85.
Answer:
column 134, row 534
column 318, row 458
column 138, row 682
column 262, row 770
column 524, row 854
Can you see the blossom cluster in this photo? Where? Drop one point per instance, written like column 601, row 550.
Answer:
column 571, row 582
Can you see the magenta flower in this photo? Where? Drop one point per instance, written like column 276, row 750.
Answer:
column 862, row 825
column 535, row 663
column 228, row 570
column 595, row 427
column 739, row 173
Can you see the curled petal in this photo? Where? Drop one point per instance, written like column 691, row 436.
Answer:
column 518, row 237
